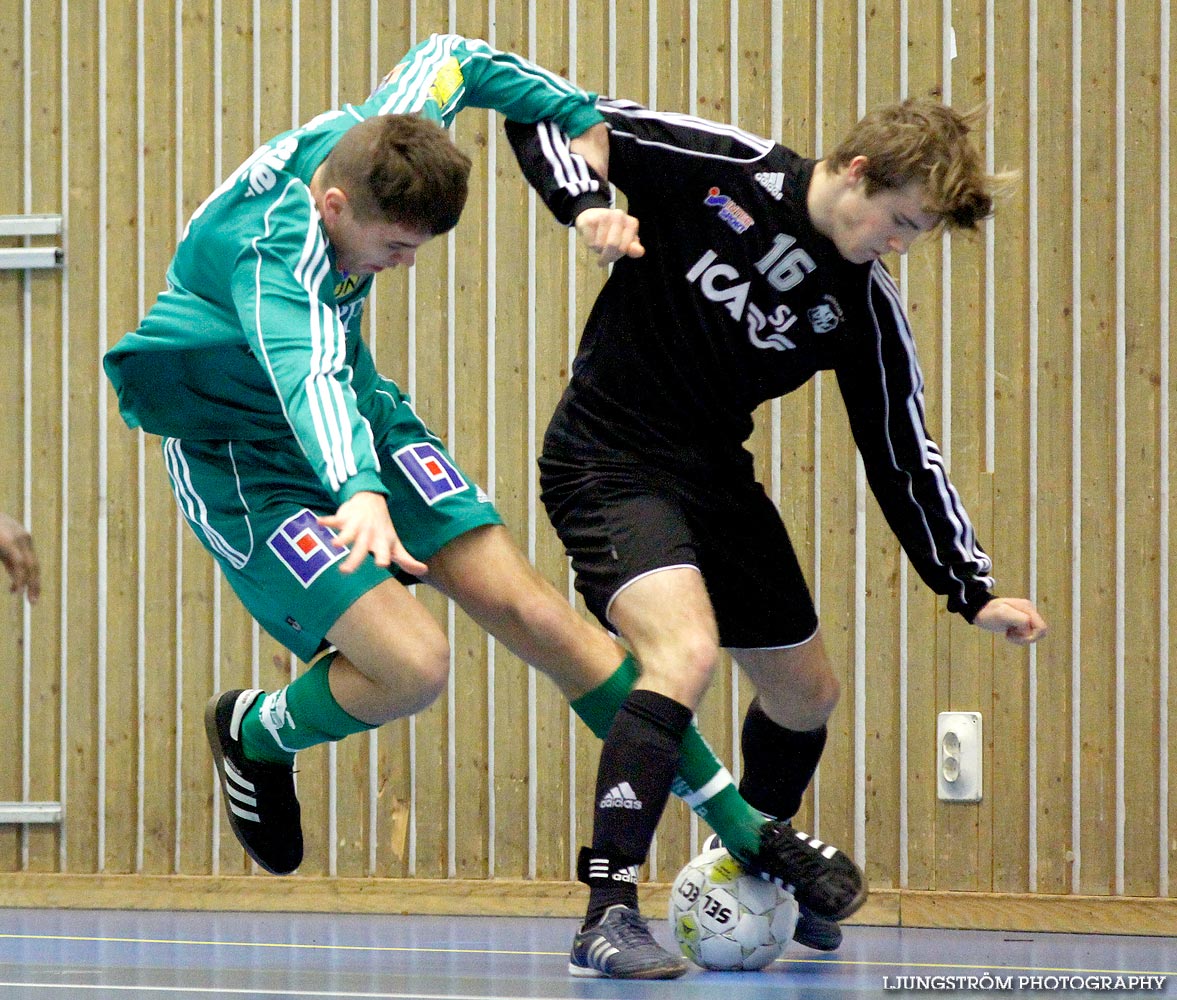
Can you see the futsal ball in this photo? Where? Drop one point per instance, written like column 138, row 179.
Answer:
column 723, row 918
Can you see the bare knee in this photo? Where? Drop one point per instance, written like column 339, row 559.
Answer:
column 421, row 677
column 823, row 696
column 680, row 668
column 393, row 682
column 803, row 705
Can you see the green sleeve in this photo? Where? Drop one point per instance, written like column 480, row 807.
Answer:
column 285, row 301
column 446, row 73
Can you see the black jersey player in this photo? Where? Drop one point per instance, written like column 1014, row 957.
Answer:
column 755, row 268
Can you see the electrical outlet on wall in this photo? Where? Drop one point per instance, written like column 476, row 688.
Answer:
column 958, row 756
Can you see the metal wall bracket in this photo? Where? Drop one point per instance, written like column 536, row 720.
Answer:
column 30, row 812
column 22, row 258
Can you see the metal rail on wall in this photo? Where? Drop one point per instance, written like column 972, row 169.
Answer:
column 23, row 258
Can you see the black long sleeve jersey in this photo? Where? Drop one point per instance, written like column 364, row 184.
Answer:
column 738, row 299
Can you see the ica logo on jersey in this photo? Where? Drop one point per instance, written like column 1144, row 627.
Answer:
column 722, row 283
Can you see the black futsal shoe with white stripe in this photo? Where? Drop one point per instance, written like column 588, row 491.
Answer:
column 820, row 877
column 259, row 797
column 620, row 946
column 811, row 931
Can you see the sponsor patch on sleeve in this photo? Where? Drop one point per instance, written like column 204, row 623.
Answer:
column 447, row 82
column 304, row 546
column 429, row 470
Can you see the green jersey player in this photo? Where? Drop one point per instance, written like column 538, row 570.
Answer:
column 292, row 458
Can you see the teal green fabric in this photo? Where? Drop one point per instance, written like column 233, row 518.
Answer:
column 257, row 335
column 257, row 517
column 303, row 714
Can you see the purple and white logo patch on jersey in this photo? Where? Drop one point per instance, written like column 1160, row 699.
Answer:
column 430, row 472
column 729, row 211
column 304, row 546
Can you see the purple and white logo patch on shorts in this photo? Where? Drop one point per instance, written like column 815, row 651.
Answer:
column 304, row 546
column 430, row 471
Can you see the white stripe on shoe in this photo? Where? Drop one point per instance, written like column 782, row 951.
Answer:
column 240, row 707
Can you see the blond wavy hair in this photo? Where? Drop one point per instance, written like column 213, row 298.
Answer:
column 923, row 140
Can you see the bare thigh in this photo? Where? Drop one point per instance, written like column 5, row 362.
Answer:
column 490, row 578
column 666, row 618
column 394, row 657
column 796, row 687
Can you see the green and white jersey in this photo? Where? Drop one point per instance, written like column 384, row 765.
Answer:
column 257, row 335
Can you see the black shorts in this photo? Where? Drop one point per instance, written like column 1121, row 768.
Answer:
column 618, row 524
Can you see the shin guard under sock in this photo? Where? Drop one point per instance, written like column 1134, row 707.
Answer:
column 702, row 781
column 779, row 763
column 638, row 763
column 302, row 714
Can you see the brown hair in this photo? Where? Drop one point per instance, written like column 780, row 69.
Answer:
column 400, row 168
column 924, row 140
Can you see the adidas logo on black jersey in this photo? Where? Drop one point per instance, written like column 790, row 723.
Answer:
column 772, row 183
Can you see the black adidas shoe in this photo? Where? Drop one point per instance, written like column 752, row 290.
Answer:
column 621, row 946
column 259, row 797
column 823, row 879
column 811, row 931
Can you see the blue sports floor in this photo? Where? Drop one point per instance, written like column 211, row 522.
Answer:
column 140, row 955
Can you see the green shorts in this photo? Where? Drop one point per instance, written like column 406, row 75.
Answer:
column 253, row 505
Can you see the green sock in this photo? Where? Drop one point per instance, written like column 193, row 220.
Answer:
column 703, row 782
column 302, row 714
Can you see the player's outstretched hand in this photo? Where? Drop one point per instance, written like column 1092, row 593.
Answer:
column 609, row 233
column 19, row 558
column 362, row 523
column 1014, row 617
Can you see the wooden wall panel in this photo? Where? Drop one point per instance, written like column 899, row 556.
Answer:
column 44, row 454
column 756, row 101
column 1139, row 456
column 1098, row 629
column 1051, row 703
column 1167, row 253
column 11, row 440
column 1049, row 315
column 1008, row 445
column 676, row 83
column 80, row 524
column 963, row 849
column 311, row 46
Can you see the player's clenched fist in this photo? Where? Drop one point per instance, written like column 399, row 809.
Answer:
column 610, row 233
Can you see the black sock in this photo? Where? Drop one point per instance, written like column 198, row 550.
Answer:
column 778, row 763
column 610, row 881
column 638, row 764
